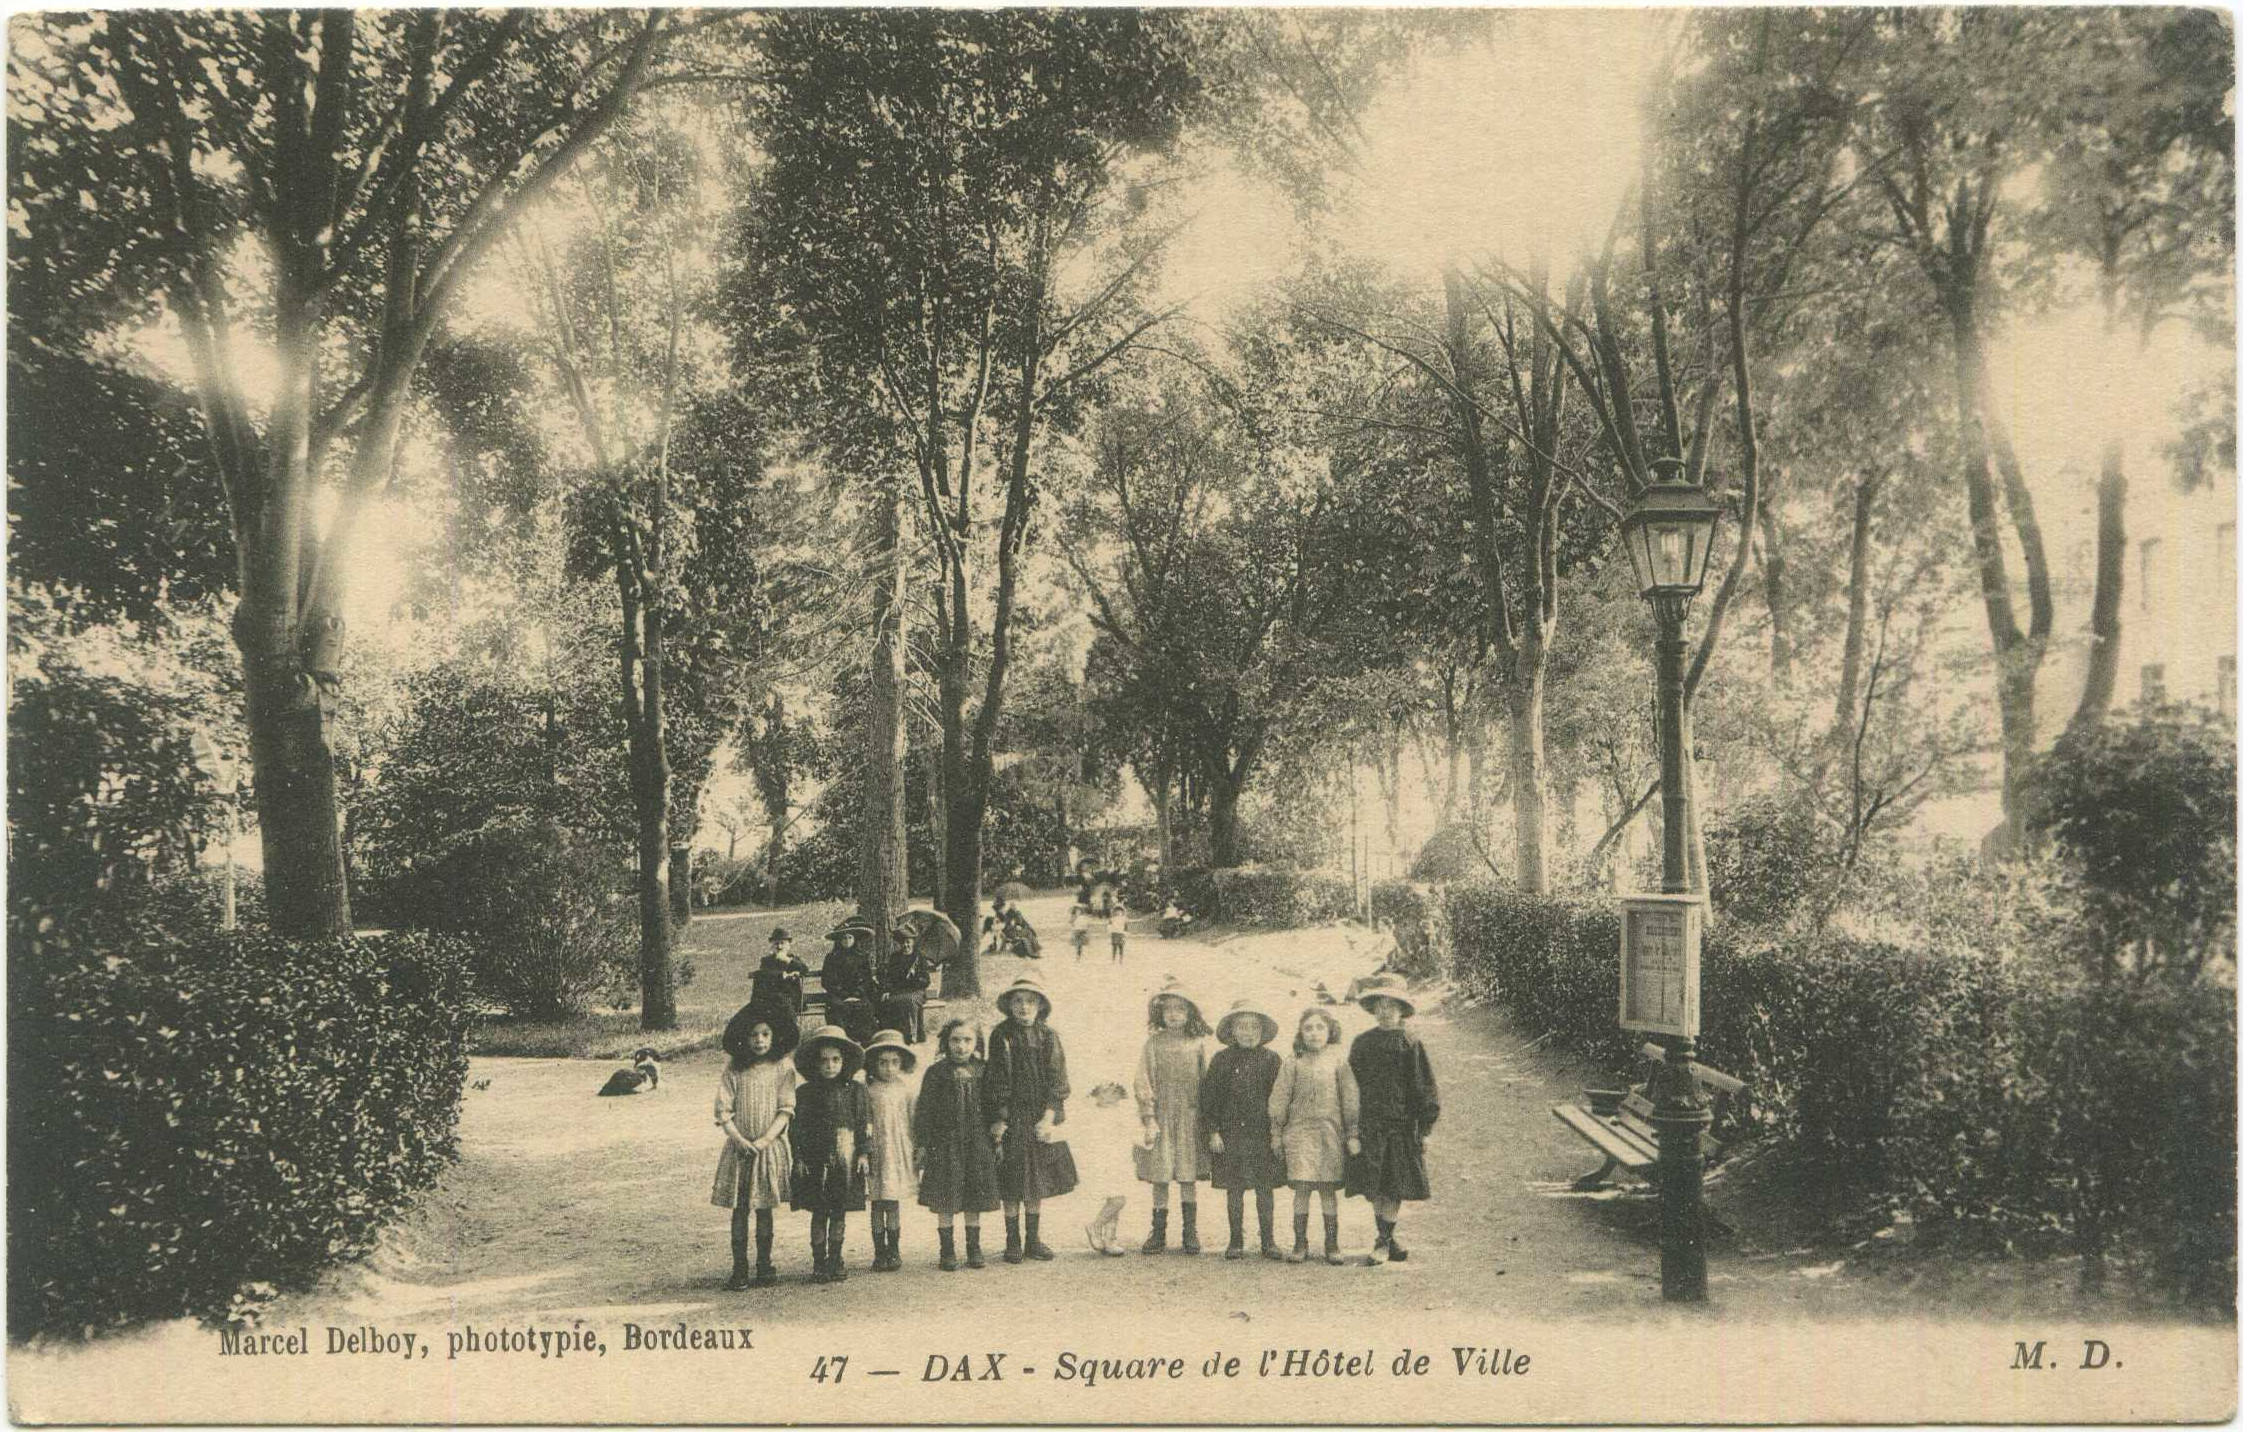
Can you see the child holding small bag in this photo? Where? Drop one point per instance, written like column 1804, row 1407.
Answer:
column 1027, row 1094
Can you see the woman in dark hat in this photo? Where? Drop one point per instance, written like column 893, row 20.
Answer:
column 832, row 1133
column 901, row 979
column 850, row 984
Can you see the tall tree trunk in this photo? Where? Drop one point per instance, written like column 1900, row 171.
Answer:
column 1866, row 486
column 1222, row 819
column 963, row 800
column 938, row 824
column 2015, row 665
column 650, row 787
column 2110, row 542
column 1164, row 823
column 292, row 755
column 1772, row 573
column 1530, row 820
column 882, row 892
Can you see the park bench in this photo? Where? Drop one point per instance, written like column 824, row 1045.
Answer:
column 814, row 1009
column 1626, row 1136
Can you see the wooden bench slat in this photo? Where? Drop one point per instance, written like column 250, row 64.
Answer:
column 1614, row 1142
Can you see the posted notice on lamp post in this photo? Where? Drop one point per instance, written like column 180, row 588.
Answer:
column 1659, row 939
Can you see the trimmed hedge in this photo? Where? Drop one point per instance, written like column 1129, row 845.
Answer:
column 1264, row 899
column 190, row 1112
column 2000, row 1098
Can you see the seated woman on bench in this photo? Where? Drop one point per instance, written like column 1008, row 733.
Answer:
column 851, row 987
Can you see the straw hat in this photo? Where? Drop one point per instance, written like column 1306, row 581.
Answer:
column 854, row 925
column 1173, row 989
column 1029, row 984
column 828, row 1036
column 1245, row 1009
column 1386, row 987
column 892, row 1042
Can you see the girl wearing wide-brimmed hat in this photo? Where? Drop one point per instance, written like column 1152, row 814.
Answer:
column 832, row 1133
column 754, row 1106
column 1027, row 1096
column 894, row 1177
column 1174, row 1147
column 1313, row 1109
column 950, row 1123
column 1234, row 1102
column 1401, row 1101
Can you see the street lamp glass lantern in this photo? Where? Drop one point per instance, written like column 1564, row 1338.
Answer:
column 1669, row 536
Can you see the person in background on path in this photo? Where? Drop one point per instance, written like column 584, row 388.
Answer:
column 1014, row 934
column 832, row 1131
column 1234, row 1101
column 1173, row 1149
column 894, row 1175
column 1080, row 919
column 1313, row 1111
column 849, row 981
column 754, row 1106
column 779, row 978
column 950, row 1124
column 1027, row 1102
column 1401, row 1101
column 1117, row 925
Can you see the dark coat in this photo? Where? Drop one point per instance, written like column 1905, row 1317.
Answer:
column 1027, row 1079
column 852, row 993
column 778, row 980
column 1234, row 1102
column 950, row 1124
column 902, row 983
column 1400, row 1102
column 822, row 1109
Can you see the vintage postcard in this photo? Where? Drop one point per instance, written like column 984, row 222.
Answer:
column 1121, row 716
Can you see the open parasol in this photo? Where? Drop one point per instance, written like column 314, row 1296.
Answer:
column 937, row 934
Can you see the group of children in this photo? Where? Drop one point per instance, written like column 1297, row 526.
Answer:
column 982, row 1132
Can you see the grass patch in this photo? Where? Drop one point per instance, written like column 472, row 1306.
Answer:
column 724, row 945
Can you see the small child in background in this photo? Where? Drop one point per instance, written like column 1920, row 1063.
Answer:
column 754, row 1105
column 1079, row 922
column 1167, row 1087
column 1234, row 1102
column 894, row 1175
column 831, row 1132
column 950, row 1124
column 1400, row 1102
column 1313, row 1111
column 1117, row 925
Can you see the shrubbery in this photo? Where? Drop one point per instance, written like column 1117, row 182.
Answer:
column 190, row 1110
column 1268, row 899
column 1999, row 1096
column 550, row 922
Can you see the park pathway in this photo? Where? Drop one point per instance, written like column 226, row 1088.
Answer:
column 564, row 1205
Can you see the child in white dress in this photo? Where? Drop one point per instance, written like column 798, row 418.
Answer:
column 895, row 1176
column 754, row 1105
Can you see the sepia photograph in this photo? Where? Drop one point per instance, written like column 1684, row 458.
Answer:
column 1122, row 716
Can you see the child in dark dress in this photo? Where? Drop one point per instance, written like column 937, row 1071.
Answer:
column 1400, row 1102
column 950, row 1125
column 1027, row 1102
column 1234, row 1104
column 832, row 1133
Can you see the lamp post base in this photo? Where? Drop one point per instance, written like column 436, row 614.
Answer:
column 1681, row 1117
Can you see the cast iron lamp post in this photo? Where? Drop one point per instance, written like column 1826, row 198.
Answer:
column 1669, row 536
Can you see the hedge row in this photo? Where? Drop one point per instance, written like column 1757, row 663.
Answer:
column 1999, row 1097
column 191, row 1112
column 1265, row 899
